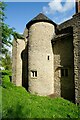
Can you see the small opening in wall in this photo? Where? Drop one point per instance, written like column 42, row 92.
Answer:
column 48, row 57
column 34, row 74
column 64, row 72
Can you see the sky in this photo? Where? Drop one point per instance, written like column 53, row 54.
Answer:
column 20, row 13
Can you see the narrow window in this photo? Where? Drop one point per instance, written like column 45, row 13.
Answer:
column 64, row 72
column 48, row 57
column 34, row 74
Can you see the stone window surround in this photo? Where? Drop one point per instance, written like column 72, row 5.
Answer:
column 33, row 73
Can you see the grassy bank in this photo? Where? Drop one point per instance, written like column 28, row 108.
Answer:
column 18, row 103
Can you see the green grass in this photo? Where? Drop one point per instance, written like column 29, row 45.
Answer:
column 18, row 103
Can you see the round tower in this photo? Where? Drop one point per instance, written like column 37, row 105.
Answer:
column 40, row 55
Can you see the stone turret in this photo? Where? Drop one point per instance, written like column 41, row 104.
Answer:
column 40, row 55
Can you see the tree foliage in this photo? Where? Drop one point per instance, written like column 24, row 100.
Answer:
column 7, row 62
column 6, row 34
column 5, row 30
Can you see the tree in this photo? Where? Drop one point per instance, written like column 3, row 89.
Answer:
column 5, row 31
column 5, row 39
column 6, row 34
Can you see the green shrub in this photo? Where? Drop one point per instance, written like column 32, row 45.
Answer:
column 6, row 72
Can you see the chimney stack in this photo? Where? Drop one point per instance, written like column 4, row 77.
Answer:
column 77, row 6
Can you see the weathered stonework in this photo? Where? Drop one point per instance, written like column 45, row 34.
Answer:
column 75, row 24
column 46, row 50
column 18, row 47
column 76, row 42
column 63, row 59
column 39, row 48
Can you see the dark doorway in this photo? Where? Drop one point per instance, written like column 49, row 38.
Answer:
column 67, row 88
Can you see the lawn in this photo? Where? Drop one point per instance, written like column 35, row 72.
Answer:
column 18, row 103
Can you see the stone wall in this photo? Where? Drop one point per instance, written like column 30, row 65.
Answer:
column 63, row 59
column 76, row 42
column 75, row 24
column 14, row 59
column 18, row 47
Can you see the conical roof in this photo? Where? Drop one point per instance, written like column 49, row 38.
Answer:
column 40, row 18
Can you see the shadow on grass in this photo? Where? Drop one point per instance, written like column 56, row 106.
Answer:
column 17, row 113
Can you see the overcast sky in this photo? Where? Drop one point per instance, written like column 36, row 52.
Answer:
column 20, row 13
